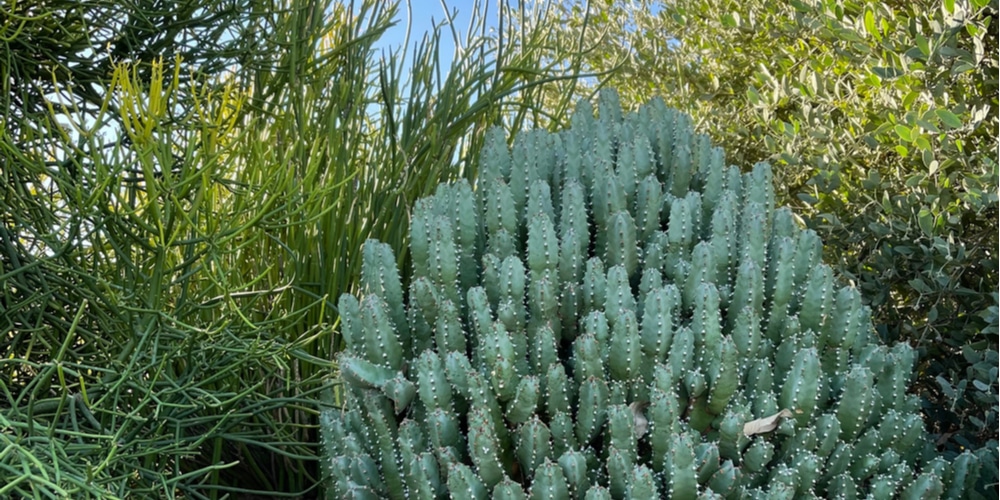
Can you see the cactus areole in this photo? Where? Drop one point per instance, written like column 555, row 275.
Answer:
column 613, row 312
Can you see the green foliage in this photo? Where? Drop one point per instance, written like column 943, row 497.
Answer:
column 185, row 190
column 672, row 393
column 881, row 121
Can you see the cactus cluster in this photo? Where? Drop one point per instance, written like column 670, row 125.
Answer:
column 612, row 312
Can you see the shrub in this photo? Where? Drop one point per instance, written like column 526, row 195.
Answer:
column 880, row 119
column 613, row 313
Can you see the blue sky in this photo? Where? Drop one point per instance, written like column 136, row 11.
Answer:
column 425, row 14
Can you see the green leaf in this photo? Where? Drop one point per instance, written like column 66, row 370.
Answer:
column 799, row 6
column 928, row 158
column 848, row 35
column 926, row 125
column 923, row 45
column 946, row 387
column 873, row 180
column 961, row 67
column 808, row 198
column 753, row 96
column 926, row 220
column 904, row 133
column 949, row 6
column 887, row 72
column 919, row 285
column 870, row 25
column 886, row 204
column 789, row 129
column 948, row 118
column 914, row 180
column 932, row 165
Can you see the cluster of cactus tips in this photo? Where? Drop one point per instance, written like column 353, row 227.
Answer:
column 612, row 312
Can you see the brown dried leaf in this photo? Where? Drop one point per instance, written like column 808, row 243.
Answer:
column 641, row 423
column 766, row 424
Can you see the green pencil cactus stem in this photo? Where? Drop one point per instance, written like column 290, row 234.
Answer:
column 613, row 312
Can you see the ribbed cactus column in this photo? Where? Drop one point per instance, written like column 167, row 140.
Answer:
column 613, row 312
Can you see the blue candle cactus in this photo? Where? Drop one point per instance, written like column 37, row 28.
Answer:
column 613, row 312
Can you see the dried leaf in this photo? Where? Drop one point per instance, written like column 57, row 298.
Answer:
column 766, row 424
column 641, row 423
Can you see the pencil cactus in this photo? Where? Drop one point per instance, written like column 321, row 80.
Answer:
column 613, row 312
